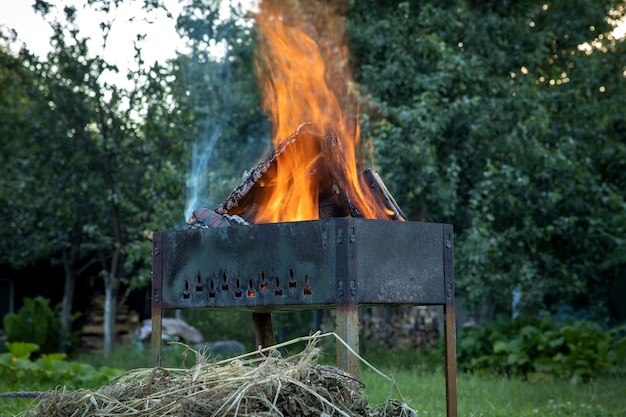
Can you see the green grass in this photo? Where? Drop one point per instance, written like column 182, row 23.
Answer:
column 422, row 384
column 421, row 381
column 492, row 396
column 127, row 357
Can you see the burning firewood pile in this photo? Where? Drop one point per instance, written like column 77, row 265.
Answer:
column 335, row 197
column 256, row 384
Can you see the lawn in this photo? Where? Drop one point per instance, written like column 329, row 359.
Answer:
column 421, row 381
column 422, row 386
column 492, row 396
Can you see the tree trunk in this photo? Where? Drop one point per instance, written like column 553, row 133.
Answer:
column 110, row 309
column 111, row 286
column 68, row 293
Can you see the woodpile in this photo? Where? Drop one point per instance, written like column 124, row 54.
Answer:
column 92, row 331
column 408, row 327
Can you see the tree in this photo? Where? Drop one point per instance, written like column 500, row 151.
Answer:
column 490, row 116
column 39, row 221
column 105, row 164
column 98, row 177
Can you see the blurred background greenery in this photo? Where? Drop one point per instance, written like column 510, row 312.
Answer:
column 504, row 119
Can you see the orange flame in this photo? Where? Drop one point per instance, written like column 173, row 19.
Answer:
column 304, row 77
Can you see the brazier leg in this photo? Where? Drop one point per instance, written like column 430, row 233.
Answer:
column 347, row 328
column 263, row 331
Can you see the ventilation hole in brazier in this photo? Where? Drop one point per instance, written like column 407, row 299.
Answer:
column 292, row 279
column 264, row 284
column 307, row 289
column 186, row 290
column 211, row 289
column 278, row 291
column 251, row 291
column 224, row 282
column 237, row 289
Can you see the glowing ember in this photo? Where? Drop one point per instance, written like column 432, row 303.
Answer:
column 304, row 76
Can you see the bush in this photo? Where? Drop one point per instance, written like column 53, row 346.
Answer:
column 539, row 348
column 36, row 322
column 19, row 372
column 617, row 350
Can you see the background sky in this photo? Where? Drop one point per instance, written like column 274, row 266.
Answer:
column 161, row 41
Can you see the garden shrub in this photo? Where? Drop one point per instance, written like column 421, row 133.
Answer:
column 539, row 348
column 18, row 371
column 37, row 322
column 617, row 351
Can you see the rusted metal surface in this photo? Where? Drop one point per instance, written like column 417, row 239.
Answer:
column 287, row 266
column 449, row 322
column 157, row 291
column 339, row 263
column 347, row 295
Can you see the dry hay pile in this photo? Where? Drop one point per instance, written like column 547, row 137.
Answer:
column 257, row 384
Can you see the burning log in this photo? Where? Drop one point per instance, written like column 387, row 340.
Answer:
column 260, row 182
column 380, row 191
column 335, row 196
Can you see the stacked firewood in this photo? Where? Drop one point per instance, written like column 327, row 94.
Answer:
column 408, row 327
column 92, row 331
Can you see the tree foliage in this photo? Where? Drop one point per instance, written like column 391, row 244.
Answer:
column 95, row 167
column 91, row 165
column 502, row 118
column 492, row 116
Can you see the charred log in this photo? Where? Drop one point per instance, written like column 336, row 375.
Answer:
column 204, row 218
column 335, row 195
column 246, row 199
column 381, row 192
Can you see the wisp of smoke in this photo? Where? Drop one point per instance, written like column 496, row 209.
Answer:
column 196, row 180
column 216, row 98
